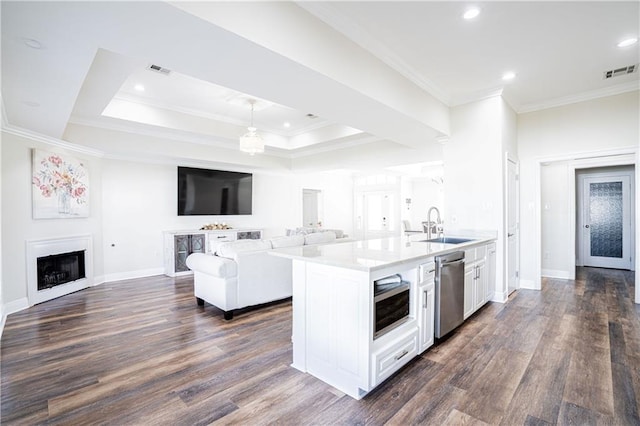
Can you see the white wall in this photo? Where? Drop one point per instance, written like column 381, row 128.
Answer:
column 18, row 225
column 474, row 176
column 556, row 221
column 424, row 193
column 586, row 129
column 131, row 203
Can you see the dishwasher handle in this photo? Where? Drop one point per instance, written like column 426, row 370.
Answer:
column 455, row 262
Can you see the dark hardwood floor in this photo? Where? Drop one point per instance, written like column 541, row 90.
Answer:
column 142, row 352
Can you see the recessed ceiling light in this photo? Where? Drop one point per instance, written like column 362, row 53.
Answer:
column 509, row 76
column 628, row 42
column 139, row 87
column 287, row 124
column 32, row 43
column 471, row 13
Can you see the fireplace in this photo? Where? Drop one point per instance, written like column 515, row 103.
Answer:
column 58, row 269
column 58, row 266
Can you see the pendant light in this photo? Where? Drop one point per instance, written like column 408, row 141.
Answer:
column 251, row 142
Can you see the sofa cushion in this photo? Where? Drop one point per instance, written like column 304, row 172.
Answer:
column 212, row 265
column 319, row 237
column 291, row 241
column 232, row 248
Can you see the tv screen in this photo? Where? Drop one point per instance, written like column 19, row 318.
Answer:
column 213, row 192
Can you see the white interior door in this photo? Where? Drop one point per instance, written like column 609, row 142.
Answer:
column 379, row 214
column 512, row 227
column 310, row 207
column 606, row 222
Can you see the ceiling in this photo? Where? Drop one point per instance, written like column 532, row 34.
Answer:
column 350, row 79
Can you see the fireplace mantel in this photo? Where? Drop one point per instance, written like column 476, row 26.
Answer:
column 52, row 246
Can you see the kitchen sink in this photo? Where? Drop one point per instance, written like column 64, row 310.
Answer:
column 448, row 240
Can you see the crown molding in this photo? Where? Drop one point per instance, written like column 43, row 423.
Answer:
column 478, row 96
column 354, row 32
column 48, row 140
column 581, row 97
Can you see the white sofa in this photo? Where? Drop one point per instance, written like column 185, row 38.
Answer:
column 242, row 273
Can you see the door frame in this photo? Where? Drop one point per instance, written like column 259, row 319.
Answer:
column 620, row 157
column 516, row 164
column 598, row 173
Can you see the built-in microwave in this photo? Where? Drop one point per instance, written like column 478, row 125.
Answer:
column 391, row 306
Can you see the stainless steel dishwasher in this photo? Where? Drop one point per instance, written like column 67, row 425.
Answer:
column 449, row 283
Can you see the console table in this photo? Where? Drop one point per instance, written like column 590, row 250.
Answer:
column 178, row 245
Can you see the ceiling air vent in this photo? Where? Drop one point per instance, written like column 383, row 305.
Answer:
column 158, row 69
column 621, row 71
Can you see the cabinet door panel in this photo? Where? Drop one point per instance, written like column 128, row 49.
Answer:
column 181, row 244
column 469, row 288
column 491, row 271
column 426, row 306
column 481, row 285
column 197, row 244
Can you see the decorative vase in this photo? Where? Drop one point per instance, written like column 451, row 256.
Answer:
column 64, row 202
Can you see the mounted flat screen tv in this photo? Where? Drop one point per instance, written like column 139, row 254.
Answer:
column 213, row 192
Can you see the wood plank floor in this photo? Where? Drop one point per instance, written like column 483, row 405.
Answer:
column 142, row 352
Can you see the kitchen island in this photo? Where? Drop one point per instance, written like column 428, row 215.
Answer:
column 336, row 335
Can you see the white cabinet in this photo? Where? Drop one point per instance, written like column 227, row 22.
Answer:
column 426, row 301
column 475, row 280
column 177, row 247
column 218, row 237
column 426, row 305
column 333, row 326
column 469, row 289
column 480, row 296
column 491, row 270
column 391, row 358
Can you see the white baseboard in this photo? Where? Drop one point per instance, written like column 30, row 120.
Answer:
column 15, row 306
column 500, row 297
column 132, row 274
column 98, row 280
column 529, row 284
column 556, row 273
column 10, row 308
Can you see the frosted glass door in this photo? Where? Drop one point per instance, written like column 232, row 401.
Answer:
column 607, row 222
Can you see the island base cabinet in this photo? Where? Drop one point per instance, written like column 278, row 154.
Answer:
column 331, row 326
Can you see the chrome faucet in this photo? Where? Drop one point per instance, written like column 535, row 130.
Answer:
column 438, row 223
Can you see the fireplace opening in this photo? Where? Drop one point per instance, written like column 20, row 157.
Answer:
column 60, row 269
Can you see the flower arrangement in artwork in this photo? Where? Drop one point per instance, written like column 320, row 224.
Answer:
column 62, row 179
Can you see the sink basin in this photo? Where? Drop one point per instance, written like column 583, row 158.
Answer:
column 448, row 240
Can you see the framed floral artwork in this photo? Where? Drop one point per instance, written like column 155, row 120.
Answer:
column 60, row 186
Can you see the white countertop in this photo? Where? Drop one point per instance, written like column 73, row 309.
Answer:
column 371, row 255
